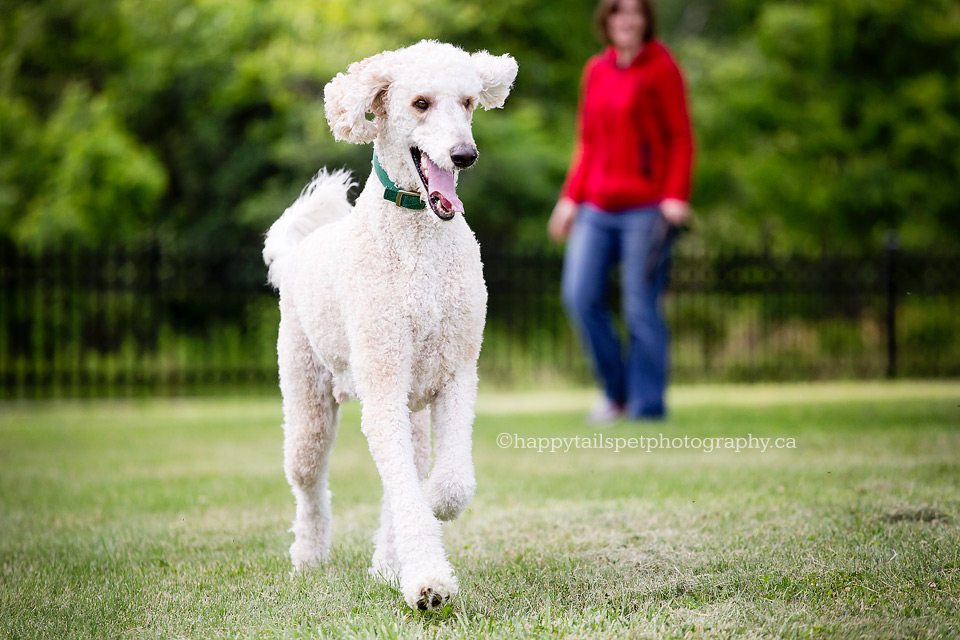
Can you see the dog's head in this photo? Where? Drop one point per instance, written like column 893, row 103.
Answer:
column 422, row 100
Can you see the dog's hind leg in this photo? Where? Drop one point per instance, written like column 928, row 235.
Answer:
column 310, row 415
column 452, row 482
column 420, row 433
column 385, row 564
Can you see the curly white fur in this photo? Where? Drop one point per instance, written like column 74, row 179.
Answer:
column 322, row 201
column 387, row 305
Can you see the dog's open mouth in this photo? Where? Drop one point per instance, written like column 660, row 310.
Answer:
column 440, row 186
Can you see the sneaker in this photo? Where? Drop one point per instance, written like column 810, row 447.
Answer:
column 605, row 412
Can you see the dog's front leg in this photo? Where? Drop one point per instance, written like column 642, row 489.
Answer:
column 385, row 564
column 426, row 578
column 451, row 483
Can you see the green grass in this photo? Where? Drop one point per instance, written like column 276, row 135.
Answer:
column 168, row 518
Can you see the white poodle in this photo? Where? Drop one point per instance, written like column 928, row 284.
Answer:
column 386, row 303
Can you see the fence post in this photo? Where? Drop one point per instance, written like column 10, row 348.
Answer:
column 892, row 246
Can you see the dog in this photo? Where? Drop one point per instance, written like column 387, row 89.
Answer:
column 385, row 302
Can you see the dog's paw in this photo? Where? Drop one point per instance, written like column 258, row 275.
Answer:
column 384, row 569
column 430, row 595
column 305, row 555
column 431, row 600
column 448, row 498
column 384, row 574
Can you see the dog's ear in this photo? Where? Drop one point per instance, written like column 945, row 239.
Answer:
column 348, row 98
column 497, row 74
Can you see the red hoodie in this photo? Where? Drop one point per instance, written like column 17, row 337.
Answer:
column 634, row 143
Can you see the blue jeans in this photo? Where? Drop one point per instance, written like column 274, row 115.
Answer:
column 638, row 240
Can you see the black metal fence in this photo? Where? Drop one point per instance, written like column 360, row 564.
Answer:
column 165, row 321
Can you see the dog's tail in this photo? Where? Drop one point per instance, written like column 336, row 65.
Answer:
column 321, row 202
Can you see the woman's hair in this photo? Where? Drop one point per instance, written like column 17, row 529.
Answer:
column 607, row 7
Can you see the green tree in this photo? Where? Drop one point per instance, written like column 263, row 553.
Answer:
column 832, row 121
column 69, row 167
column 824, row 122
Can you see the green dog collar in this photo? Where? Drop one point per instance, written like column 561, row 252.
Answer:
column 399, row 197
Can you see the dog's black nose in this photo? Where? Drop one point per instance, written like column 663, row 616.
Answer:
column 463, row 156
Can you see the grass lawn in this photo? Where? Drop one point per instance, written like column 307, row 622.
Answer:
column 168, row 518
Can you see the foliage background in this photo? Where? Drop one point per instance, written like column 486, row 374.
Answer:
column 822, row 123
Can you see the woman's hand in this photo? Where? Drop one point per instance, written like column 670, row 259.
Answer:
column 677, row 212
column 564, row 213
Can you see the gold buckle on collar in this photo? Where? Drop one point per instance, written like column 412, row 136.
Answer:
column 400, row 195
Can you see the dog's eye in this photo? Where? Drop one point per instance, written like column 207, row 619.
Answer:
column 420, row 104
column 468, row 103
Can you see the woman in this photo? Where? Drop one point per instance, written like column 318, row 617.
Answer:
column 626, row 191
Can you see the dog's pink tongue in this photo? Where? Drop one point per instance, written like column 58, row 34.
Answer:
column 441, row 182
